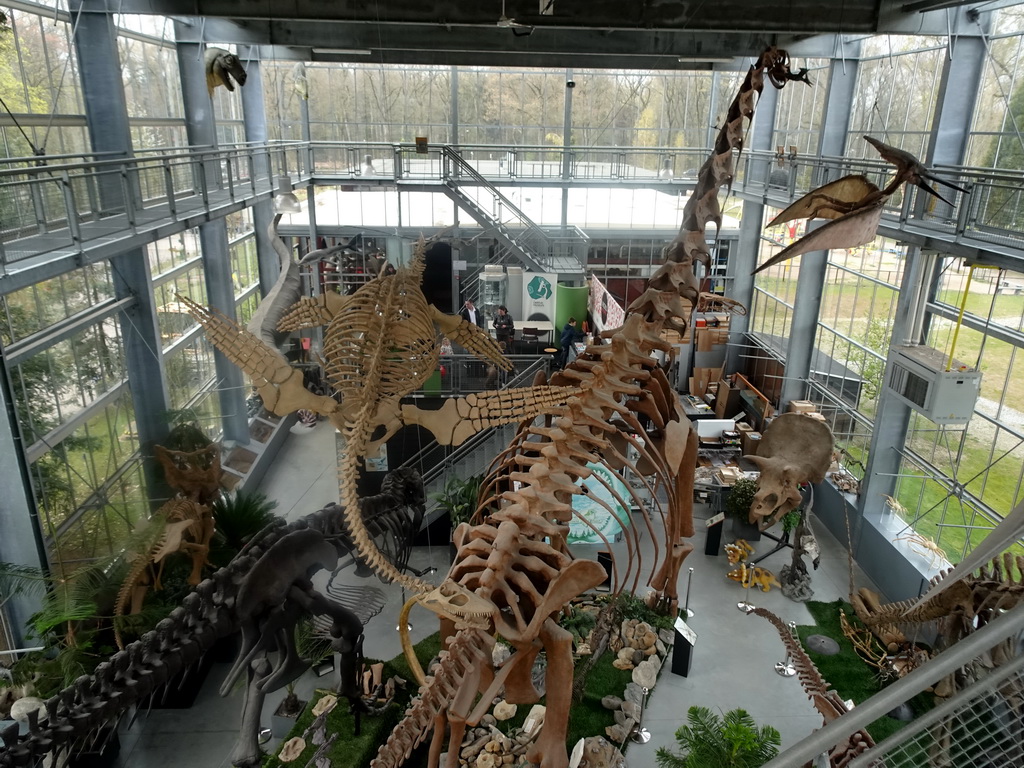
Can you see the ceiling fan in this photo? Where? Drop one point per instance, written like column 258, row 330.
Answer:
column 507, row 23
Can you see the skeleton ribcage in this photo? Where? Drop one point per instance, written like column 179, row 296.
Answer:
column 359, row 365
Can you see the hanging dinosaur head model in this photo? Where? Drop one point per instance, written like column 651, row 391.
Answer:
column 221, row 66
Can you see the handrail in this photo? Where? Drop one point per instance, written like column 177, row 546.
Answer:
column 62, row 199
column 904, row 689
column 201, row 152
column 465, row 168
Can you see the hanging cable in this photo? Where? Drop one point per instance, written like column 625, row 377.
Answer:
column 960, row 318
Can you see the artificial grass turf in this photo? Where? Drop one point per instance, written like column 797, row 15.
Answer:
column 349, row 749
column 846, row 672
column 587, row 718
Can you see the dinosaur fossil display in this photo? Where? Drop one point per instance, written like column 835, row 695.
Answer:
column 513, row 572
column 969, row 602
column 180, row 525
column 263, row 592
column 514, row 555
column 828, row 703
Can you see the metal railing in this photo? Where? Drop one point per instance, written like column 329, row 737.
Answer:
column 73, row 203
column 435, row 461
column 65, row 206
column 979, row 725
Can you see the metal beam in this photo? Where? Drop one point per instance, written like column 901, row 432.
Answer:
column 798, row 15
column 201, row 127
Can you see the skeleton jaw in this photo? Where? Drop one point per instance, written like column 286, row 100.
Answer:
column 454, row 602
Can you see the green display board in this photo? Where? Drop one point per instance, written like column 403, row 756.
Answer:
column 570, row 301
column 587, row 506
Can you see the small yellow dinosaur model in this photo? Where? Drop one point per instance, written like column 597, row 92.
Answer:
column 755, row 575
column 738, row 551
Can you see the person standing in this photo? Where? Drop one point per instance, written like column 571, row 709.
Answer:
column 470, row 313
column 504, row 326
column 567, row 340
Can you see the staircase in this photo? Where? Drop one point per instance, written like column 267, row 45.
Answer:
column 523, row 240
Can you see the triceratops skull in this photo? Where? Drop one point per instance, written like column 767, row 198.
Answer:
column 778, row 490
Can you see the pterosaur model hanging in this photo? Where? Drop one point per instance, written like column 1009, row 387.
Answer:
column 853, row 204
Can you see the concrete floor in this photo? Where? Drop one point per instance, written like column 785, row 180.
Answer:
column 733, row 658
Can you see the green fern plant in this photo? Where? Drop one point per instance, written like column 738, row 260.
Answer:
column 237, row 517
column 731, row 741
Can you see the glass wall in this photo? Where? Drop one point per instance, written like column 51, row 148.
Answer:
column 954, row 479
column 800, row 110
column 897, row 86
column 66, row 362
column 39, row 83
column 149, row 70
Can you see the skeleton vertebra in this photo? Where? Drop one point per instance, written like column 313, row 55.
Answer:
column 828, row 703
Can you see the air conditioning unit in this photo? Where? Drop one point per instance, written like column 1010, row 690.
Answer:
column 917, row 375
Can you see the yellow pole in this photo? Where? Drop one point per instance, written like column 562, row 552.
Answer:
column 960, row 317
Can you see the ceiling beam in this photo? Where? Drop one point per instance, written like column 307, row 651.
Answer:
column 417, row 44
column 795, row 16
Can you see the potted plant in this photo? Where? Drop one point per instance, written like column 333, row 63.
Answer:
column 459, row 498
column 731, row 741
column 737, row 506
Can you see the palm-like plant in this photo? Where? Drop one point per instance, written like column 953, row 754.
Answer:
column 731, row 741
column 237, row 518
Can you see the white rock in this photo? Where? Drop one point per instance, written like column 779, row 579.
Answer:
column 504, row 711
column 26, row 704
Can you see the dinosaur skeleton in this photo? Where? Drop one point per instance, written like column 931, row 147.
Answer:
column 970, row 601
column 382, row 347
column 515, row 556
column 512, row 572
column 262, row 592
column 828, row 703
column 180, row 526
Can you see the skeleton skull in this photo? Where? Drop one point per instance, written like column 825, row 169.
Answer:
column 778, row 490
column 794, row 449
column 456, row 603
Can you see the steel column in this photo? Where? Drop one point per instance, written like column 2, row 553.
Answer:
column 201, row 127
column 839, row 98
column 255, row 117
column 106, row 114
column 740, row 280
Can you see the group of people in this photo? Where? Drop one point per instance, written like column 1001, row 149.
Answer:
column 505, row 330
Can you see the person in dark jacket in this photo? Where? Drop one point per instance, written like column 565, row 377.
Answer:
column 470, row 313
column 567, row 340
column 504, row 326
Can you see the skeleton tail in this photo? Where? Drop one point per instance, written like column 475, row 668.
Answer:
column 348, row 470
column 456, row 668
column 124, row 595
column 461, row 417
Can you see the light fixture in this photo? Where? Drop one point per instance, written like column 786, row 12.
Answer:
column 286, row 201
column 345, row 51
column 710, row 59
